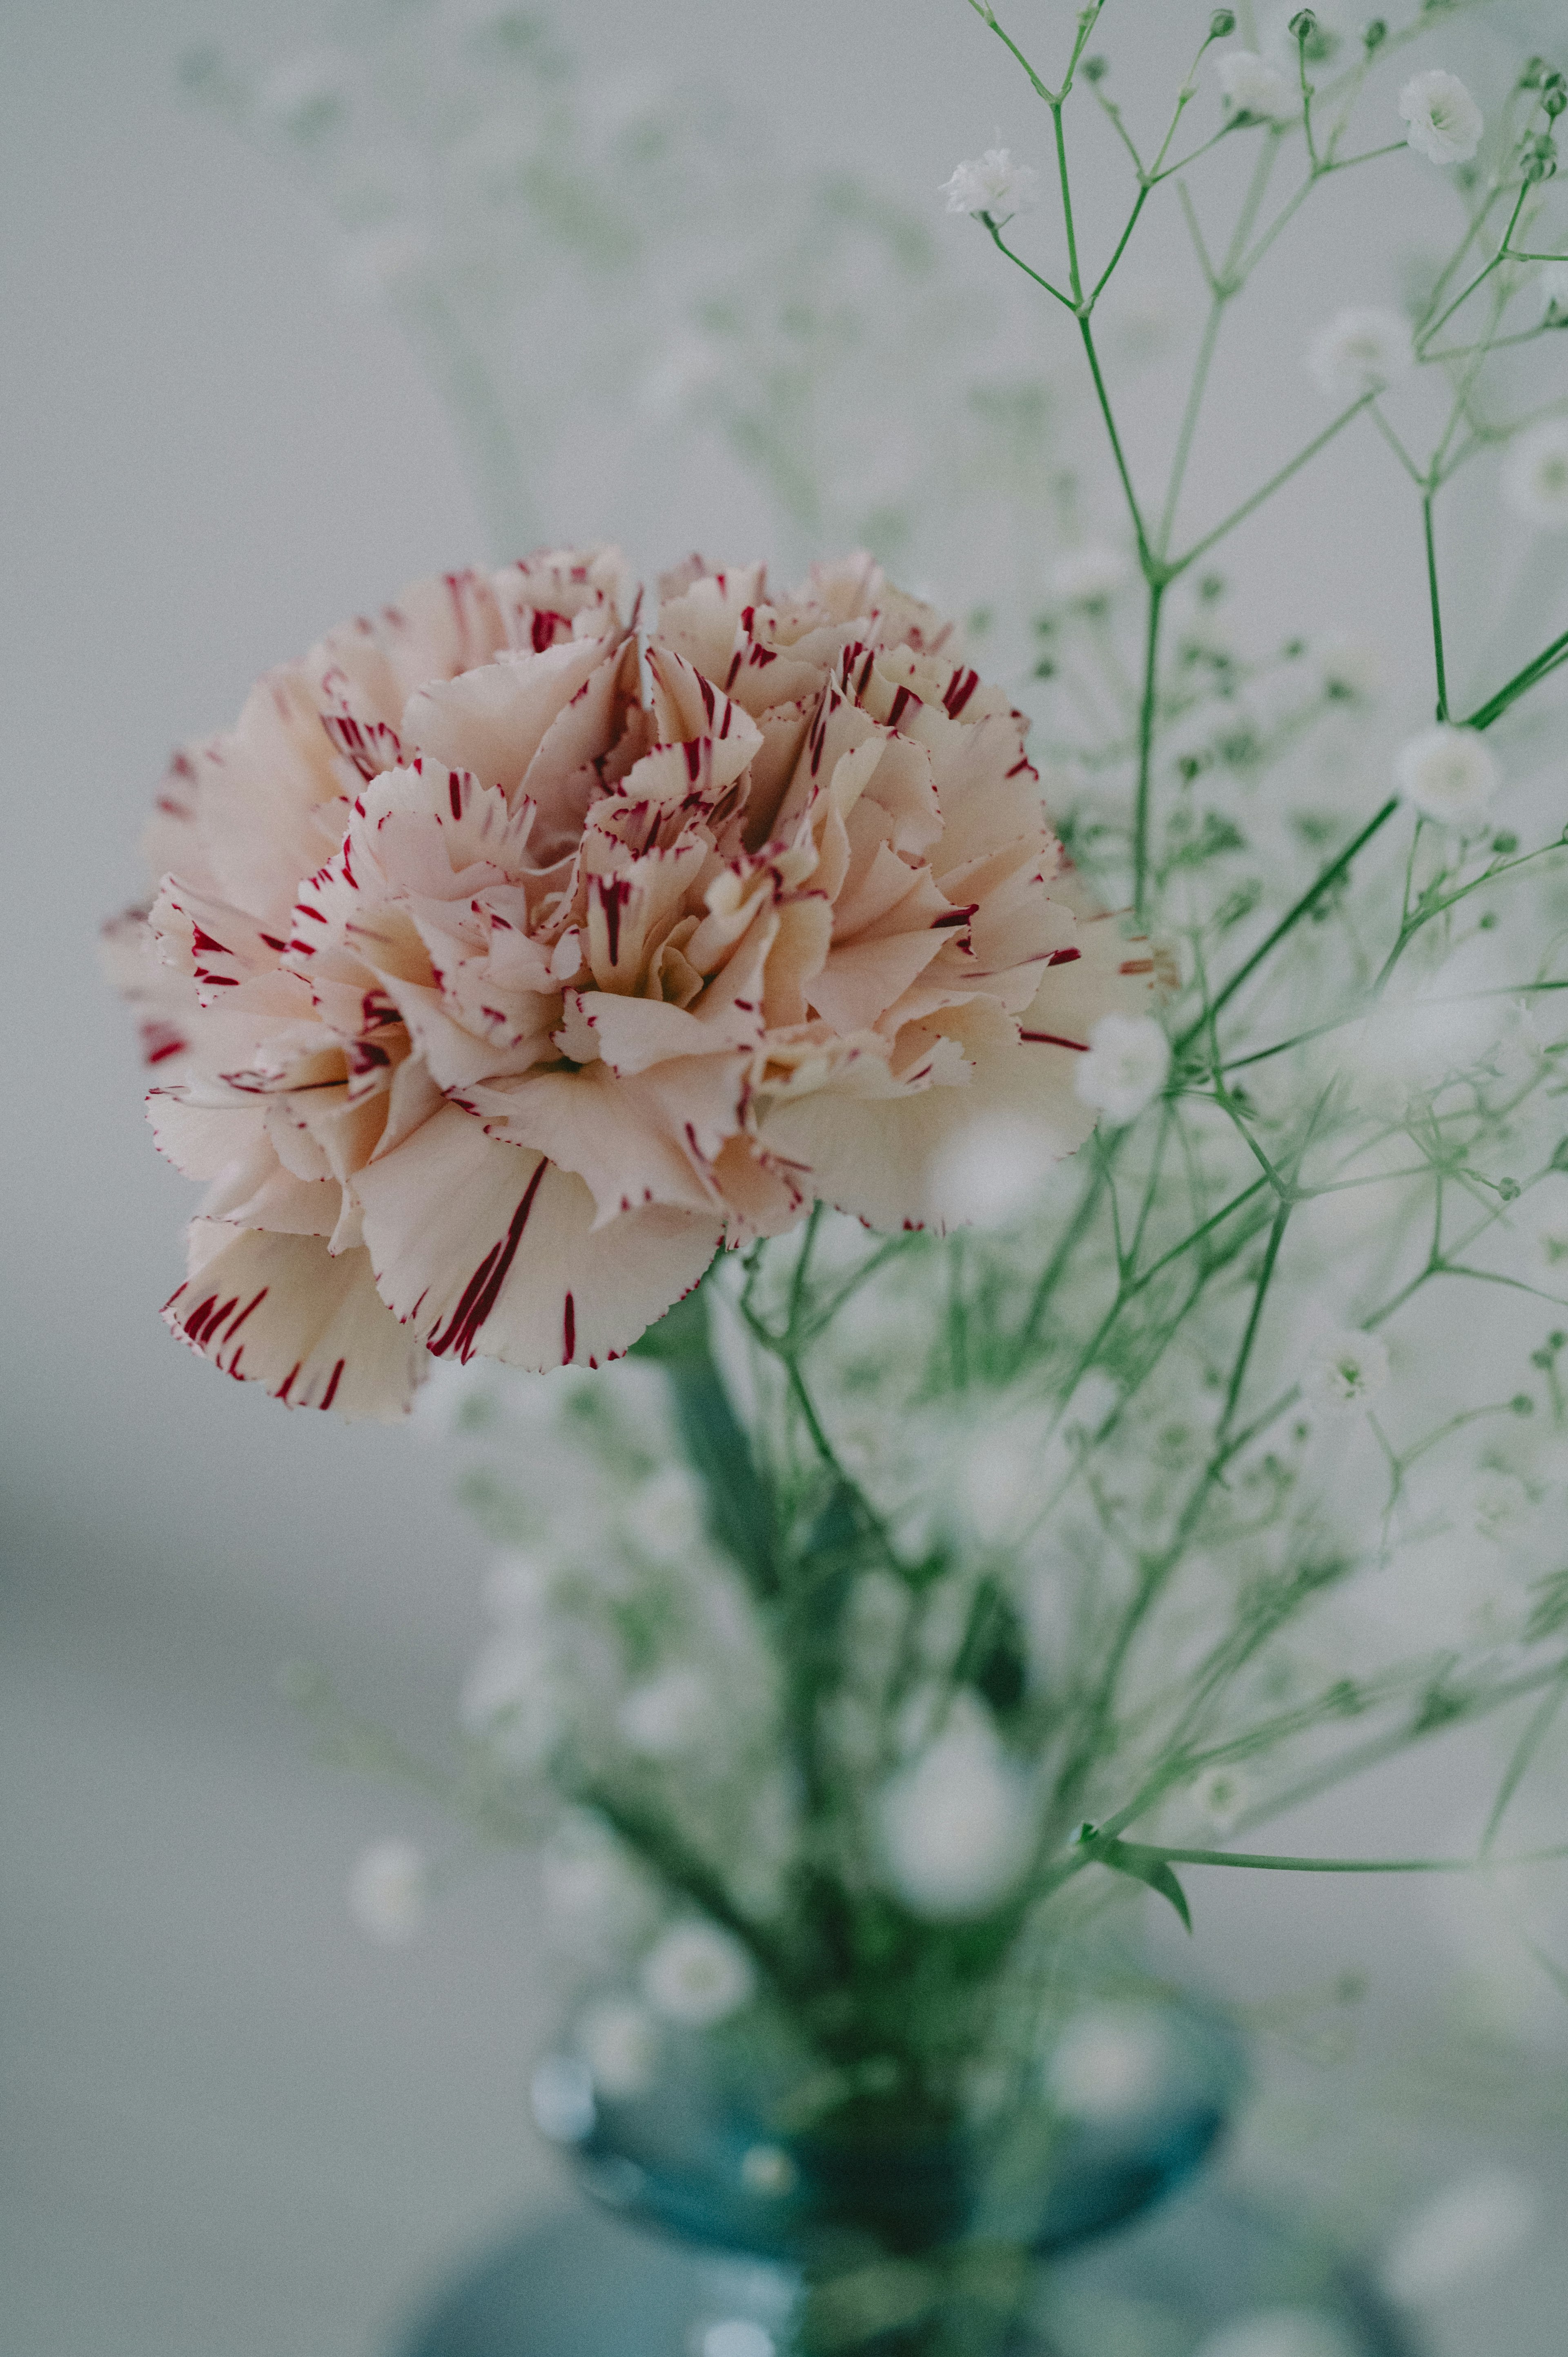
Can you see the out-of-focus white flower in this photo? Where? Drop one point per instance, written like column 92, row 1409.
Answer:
column 697, row 1975
column 1447, row 774
column 768, row 2169
column 1535, row 476
column 664, row 1516
column 1222, row 1795
column 1250, row 85
column 562, row 2097
column 1466, row 2231
column 1350, row 669
column 1344, row 1372
column 992, row 184
column 517, row 1591
column 1125, row 1067
column 1360, row 351
column 389, row 1892
column 592, row 1898
column 1280, row 2332
column 957, row 1823
column 1108, row 2064
column 737, row 2336
column 1503, row 1506
column 989, row 1174
column 1444, row 122
column 1091, row 575
column 619, row 2042
column 1552, row 281
column 512, row 1696
column 665, row 1716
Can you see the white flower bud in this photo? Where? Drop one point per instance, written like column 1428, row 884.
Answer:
column 389, row 1892
column 957, row 1825
column 619, row 2042
column 1250, row 85
column 1535, row 475
column 1447, row 774
column 697, row 1975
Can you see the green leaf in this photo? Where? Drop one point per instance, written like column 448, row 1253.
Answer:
column 1147, row 1866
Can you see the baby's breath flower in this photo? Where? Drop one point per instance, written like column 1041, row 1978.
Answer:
column 1125, row 1068
column 665, row 1716
column 1553, row 283
column 1279, row 2333
column 1447, row 774
column 388, row 1892
column 1222, row 1795
column 1465, row 2230
column 992, row 184
column 697, row 1975
column 1351, row 670
column 956, row 1824
column 1360, row 351
column 619, row 2042
column 1091, row 575
column 1108, row 2064
column 1445, row 123
column 1251, row 87
column 1535, row 479
column 1345, row 1372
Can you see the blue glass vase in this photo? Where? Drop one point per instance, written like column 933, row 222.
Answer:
column 1078, row 2224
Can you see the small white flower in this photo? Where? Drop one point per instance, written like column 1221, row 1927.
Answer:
column 1350, row 669
column 1108, row 2064
column 957, row 1825
column 664, row 1516
column 1466, row 2231
column 560, row 2096
column 619, row 2042
column 1360, row 351
column 1222, row 1796
column 768, row 2169
column 1126, row 1066
column 1250, row 85
column 1535, row 478
column 697, row 1975
column 1280, row 2332
column 512, row 1698
column 992, row 184
column 1445, row 123
column 1552, row 281
column 1091, row 575
column 1447, row 774
column 666, row 1716
column 389, row 1892
column 1503, row 1507
column 1345, row 1372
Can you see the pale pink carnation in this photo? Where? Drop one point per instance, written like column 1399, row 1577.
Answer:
column 505, row 964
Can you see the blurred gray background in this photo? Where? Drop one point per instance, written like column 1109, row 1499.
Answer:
column 229, row 2125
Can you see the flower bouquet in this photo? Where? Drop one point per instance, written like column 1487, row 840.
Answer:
column 1032, row 1255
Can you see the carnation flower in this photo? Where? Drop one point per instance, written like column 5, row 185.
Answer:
column 1535, row 479
column 697, row 1975
column 1251, row 86
column 1345, row 1372
column 389, row 1891
column 1125, row 1068
column 1445, row 123
column 992, row 184
column 1360, row 351
column 505, row 966
column 1448, row 775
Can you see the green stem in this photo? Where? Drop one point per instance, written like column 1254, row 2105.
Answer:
column 1436, row 607
column 1146, row 716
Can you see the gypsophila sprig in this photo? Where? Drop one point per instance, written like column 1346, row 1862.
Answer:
column 991, row 185
column 1445, row 123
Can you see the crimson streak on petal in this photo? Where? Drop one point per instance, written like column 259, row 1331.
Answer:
column 483, row 1288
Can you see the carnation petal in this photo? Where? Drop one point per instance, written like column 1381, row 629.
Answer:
column 481, row 1246
column 492, row 720
column 279, row 1311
